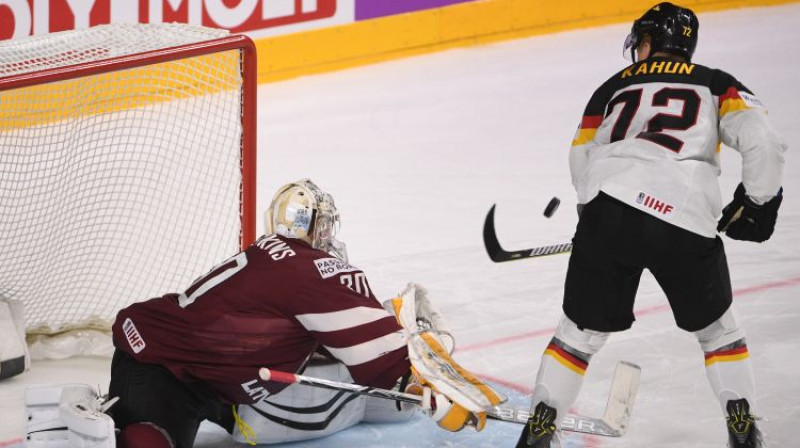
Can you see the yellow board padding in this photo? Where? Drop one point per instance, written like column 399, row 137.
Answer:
column 120, row 90
column 459, row 25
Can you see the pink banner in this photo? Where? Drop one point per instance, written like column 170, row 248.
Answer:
column 369, row 9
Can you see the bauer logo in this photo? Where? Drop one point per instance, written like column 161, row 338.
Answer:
column 640, row 198
column 133, row 336
column 328, row 267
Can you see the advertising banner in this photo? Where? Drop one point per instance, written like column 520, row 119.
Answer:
column 20, row 18
column 369, row 9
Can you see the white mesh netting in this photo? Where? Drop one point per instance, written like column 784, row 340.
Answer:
column 95, row 44
column 115, row 187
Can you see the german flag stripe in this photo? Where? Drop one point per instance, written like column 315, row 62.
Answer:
column 584, row 136
column 735, row 354
column 589, row 125
column 730, row 101
column 566, row 359
column 591, row 121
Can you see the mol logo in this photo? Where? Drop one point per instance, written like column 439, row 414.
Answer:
column 20, row 18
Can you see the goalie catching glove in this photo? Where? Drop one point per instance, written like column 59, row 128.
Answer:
column 452, row 396
column 745, row 220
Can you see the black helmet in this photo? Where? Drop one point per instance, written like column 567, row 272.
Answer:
column 672, row 29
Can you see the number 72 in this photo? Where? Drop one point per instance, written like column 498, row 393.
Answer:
column 631, row 100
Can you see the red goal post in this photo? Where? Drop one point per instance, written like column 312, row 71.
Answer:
column 127, row 166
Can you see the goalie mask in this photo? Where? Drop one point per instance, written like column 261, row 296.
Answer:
column 301, row 210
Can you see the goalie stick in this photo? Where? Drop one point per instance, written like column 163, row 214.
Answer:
column 499, row 255
column 613, row 423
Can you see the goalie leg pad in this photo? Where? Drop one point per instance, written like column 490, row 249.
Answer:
column 300, row 412
column 14, row 356
column 430, row 355
column 67, row 416
column 381, row 410
column 458, row 398
column 44, row 427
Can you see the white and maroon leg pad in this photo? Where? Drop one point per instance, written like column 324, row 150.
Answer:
column 66, row 416
column 302, row 412
column 14, row 356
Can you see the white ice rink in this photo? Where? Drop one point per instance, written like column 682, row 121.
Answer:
column 415, row 152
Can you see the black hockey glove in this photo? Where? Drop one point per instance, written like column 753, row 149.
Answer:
column 745, row 220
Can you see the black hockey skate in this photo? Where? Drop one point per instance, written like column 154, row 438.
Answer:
column 742, row 430
column 539, row 431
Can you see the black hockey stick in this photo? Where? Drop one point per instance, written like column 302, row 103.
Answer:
column 613, row 423
column 499, row 255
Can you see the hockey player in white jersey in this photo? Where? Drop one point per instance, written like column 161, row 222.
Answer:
column 645, row 162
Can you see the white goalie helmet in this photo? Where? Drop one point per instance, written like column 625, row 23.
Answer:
column 303, row 211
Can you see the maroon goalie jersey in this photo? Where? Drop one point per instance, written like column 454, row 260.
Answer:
column 271, row 305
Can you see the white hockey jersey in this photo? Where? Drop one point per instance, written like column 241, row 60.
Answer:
column 650, row 137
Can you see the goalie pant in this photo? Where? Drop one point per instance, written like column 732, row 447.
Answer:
column 301, row 412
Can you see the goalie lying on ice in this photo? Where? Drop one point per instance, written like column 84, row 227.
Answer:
column 290, row 296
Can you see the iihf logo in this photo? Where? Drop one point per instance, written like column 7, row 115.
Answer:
column 653, row 203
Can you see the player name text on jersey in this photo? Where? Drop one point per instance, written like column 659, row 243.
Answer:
column 278, row 250
column 659, row 66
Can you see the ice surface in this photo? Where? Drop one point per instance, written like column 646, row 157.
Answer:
column 415, row 152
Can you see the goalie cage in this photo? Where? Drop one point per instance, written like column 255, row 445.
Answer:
column 127, row 167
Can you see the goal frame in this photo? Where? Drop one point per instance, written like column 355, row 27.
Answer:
column 249, row 100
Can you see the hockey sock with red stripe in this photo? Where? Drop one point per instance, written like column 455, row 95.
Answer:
column 730, row 373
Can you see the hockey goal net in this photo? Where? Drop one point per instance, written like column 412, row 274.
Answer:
column 127, row 166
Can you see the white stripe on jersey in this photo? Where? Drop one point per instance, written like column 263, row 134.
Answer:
column 367, row 351
column 341, row 320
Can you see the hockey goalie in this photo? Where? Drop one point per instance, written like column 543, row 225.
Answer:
column 290, row 302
